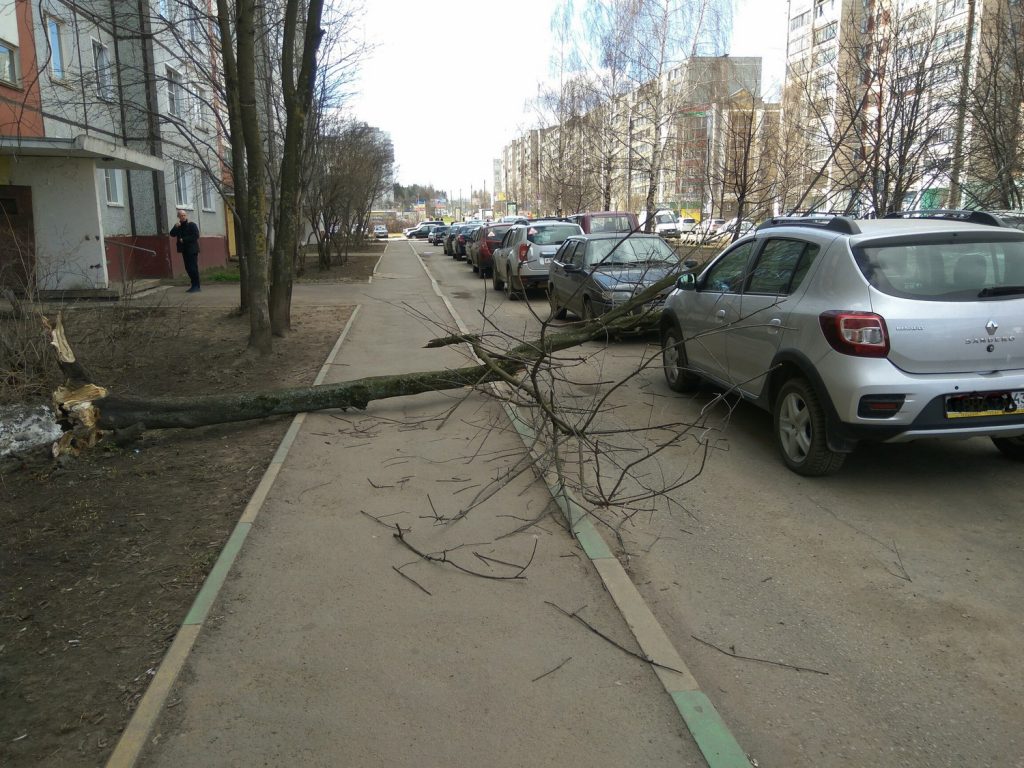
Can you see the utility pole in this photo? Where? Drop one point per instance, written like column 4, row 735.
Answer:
column 961, row 112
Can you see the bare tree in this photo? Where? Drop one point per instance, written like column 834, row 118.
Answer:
column 745, row 171
column 995, row 142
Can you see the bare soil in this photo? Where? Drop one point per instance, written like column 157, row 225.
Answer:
column 103, row 554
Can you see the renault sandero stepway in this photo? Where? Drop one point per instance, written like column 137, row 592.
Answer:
column 847, row 330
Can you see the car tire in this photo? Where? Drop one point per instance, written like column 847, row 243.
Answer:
column 557, row 312
column 798, row 420
column 675, row 362
column 1010, row 447
column 496, row 282
column 510, row 293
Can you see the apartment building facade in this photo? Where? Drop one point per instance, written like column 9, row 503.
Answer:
column 107, row 124
column 673, row 133
column 880, row 101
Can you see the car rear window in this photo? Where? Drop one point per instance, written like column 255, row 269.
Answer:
column 619, row 223
column 945, row 271
column 550, row 234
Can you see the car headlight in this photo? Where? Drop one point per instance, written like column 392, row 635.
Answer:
column 616, row 297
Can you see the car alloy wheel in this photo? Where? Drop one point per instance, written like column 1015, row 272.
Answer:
column 673, row 358
column 510, row 293
column 799, row 423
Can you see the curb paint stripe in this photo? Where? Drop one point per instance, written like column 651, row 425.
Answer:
column 136, row 733
column 709, row 731
column 215, row 580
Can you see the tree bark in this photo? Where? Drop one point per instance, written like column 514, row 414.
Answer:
column 87, row 410
column 298, row 95
column 254, row 235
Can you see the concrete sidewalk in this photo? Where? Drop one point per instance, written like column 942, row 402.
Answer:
column 316, row 650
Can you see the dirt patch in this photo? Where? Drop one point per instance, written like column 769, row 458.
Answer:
column 104, row 554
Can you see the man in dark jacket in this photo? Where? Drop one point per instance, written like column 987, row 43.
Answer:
column 187, row 233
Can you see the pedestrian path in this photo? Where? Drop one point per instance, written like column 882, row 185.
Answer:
column 333, row 642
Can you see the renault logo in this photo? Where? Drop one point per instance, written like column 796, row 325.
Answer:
column 991, row 326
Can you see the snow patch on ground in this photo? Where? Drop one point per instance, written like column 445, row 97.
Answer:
column 23, row 428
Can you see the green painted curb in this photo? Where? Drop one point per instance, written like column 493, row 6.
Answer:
column 716, row 743
column 201, row 605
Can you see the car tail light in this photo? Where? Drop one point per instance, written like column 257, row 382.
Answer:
column 862, row 334
column 485, row 248
column 524, row 249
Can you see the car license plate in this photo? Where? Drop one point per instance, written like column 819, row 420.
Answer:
column 978, row 404
column 544, row 259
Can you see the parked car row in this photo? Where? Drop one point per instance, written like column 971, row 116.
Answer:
column 845, row 330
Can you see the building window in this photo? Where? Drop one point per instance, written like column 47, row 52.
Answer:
column 195, row 27
column 175, row 94
column 168, row 9
column 104, row 72
column 949, row 8
column 112, row 180
column 208, row 202
column 201, row 114
column 828, row 32
column 182, row 185
column 8, row 63
column 56, row 49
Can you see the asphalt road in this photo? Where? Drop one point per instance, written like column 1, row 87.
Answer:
column 880, row 609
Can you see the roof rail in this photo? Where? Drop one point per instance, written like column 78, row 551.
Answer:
column 971, row 217
column 843, row 224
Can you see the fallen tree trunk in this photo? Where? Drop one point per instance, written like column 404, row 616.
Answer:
column 87, row 411
column 120, row 412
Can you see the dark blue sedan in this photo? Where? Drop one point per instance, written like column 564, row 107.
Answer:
column 593, row 274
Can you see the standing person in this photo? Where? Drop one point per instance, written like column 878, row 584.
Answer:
column 187, row 233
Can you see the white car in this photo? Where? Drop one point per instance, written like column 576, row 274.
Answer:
column 380, row 231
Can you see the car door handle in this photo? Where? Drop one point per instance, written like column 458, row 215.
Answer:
column 720, row 314
column 775, row 322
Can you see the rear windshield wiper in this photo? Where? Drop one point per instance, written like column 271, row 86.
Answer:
column 1001, row 290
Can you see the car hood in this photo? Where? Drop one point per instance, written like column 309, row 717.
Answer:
column 614, row 278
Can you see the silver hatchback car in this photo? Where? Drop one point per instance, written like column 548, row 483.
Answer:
column 848, row 330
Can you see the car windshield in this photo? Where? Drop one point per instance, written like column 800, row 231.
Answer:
column 946, row 271
column 665, row 218
column 633, row 250
column 550, row 234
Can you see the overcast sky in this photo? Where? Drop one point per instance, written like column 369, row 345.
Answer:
column 449, row 81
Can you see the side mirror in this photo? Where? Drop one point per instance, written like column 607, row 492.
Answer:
column 687, row 282
column 690, row 263
column 570, row 267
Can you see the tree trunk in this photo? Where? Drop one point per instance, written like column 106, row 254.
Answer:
column 254, row 235
column 86, row 410
column 297, row 99
column 239, row 203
